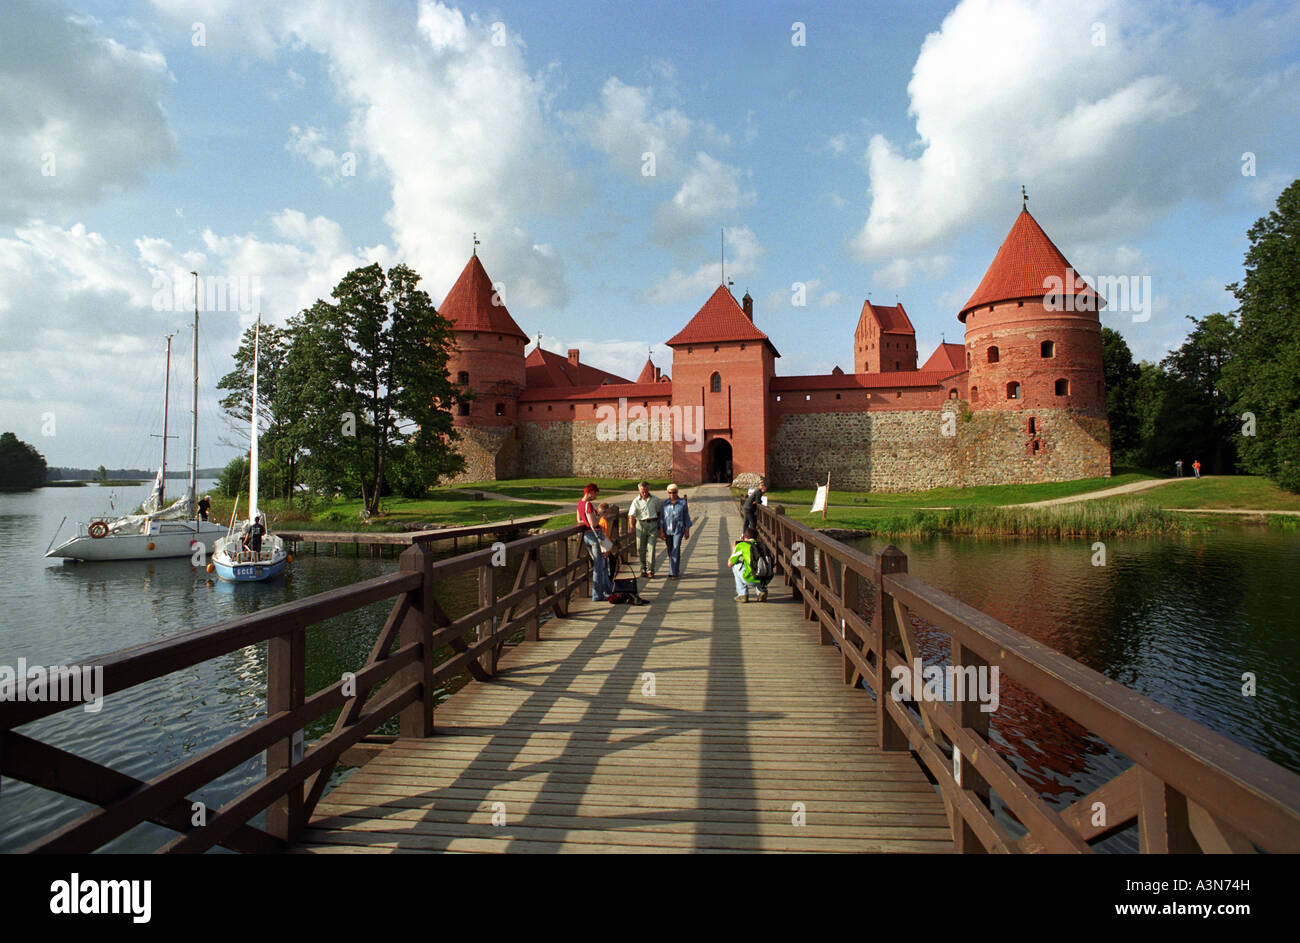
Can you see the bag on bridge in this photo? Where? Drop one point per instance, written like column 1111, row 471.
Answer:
column 762, row 563
column 625, row 591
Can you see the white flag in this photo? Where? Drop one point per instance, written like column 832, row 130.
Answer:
column 819, row 502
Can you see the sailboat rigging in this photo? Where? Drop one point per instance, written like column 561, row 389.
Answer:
column 160, row 531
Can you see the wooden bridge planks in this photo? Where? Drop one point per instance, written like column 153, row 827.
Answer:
column 748, row 724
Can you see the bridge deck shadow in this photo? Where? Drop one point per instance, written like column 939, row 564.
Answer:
column 695, row 723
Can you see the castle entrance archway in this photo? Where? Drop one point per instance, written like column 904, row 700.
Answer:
column 718, row 461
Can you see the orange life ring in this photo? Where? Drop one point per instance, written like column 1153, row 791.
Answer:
column 98, row 529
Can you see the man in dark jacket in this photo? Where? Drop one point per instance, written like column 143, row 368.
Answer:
column 749, row 507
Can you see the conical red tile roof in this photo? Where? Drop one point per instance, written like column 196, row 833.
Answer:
column 468, row 306
column 721, row 319
column 647, row 374
column 1022, row 267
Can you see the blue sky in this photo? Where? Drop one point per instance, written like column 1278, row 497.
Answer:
column 280, row 145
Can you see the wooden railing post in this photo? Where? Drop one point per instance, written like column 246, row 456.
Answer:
column 888, row 638
column 1163, row 824
column 534, row 564
column 487, row 595
column 852, row 601
column 416, row 720
column 969, row 715
column 286, row 682
column 566, row 579
column 825, row 592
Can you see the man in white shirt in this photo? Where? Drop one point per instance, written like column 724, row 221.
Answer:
column 643, row 516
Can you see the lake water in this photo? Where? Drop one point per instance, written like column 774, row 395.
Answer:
column 1178, row 620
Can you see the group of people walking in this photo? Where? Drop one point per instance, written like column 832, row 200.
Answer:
column 652, row 519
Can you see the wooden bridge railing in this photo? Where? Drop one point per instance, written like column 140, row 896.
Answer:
column 397, row 680
column 1189, row 789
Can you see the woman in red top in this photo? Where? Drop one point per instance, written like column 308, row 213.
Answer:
column 601, row 586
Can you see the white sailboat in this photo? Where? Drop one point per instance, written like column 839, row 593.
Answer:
column 244, row 556
column 160, row 532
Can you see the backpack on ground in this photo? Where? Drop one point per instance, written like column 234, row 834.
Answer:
column 761, row 563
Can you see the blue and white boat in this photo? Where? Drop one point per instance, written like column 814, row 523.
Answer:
column 232, row 557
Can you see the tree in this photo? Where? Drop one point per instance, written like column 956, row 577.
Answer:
column 21, row 466
column 1121, row 375
column 366, row 382
column 280, row 447
column 102, row 473
column 1197, row 369
column 233, row 479
column 1262, row 380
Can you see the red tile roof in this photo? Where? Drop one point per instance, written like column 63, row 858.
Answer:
column 609, row 392
column 902, row 379
column 721, row 319
column 468, row 306
column 891, row 318
column 947, row 357
column 546, row 370
column 1020, row 270
column 647, row 374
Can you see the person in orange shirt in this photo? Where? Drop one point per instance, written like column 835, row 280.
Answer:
column 1196, row 467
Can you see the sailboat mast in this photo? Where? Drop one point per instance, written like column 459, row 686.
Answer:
column 252, row 451
column 194, row 428
column 167, row 391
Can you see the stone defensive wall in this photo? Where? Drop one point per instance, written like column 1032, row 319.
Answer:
column 919, row 449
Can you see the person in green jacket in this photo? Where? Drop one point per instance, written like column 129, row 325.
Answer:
column 742, row 567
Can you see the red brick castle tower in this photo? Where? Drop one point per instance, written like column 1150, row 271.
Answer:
column 1033, row 335
column 490, row 361
column 723, row 364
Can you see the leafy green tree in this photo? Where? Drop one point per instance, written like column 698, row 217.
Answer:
column 1121, row 375
column 21, row 466
column 1197, row 369
column 1264, row 379
column 103, row 473
column 368, row 386
column 233, row 479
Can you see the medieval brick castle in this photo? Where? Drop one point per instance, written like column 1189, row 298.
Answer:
column 1022, row 400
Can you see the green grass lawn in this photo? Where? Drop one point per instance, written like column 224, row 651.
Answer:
column 950, row 497
column 556, row 489
column 1226, row 491
column 344, row 514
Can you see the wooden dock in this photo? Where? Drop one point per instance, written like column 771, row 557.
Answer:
column 696, row 723
column 405, row 538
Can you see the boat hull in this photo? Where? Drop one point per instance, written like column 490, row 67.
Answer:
column 236, row 565
column 250, row 572
column 177, row 540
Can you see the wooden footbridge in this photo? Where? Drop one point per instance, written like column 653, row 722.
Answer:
column 695, row 723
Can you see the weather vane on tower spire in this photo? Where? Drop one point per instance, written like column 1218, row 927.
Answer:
column 1024, row 199
column 474, row 248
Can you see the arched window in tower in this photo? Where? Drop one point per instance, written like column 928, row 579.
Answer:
column 1047, row 349
column 974, row 394
column 1062, row 387
column 993, row 355
column 715, row 383
column 968, row 360
column 501, row 409
column 952, row 394
column 1013, row 390
column 463, row 378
